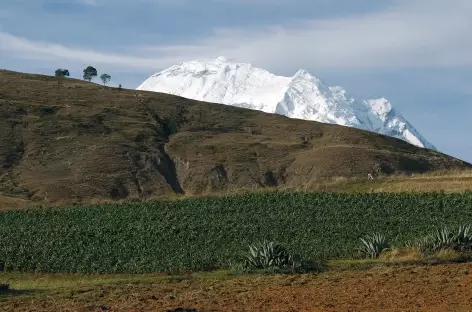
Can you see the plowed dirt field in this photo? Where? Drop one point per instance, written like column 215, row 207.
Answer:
column 446, row 287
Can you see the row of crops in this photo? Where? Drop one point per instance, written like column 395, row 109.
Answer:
column 206, row 233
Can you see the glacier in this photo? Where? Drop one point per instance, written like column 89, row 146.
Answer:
column 302, row 96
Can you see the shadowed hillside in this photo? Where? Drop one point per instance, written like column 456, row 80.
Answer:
column 65, row 140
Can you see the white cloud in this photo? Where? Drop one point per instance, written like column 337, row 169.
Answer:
column 88, row 2
column 24, row 48
column 416, row 33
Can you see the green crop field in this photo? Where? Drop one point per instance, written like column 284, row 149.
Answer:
column 205, row 233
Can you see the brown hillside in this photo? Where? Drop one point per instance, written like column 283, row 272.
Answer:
column 67, row 140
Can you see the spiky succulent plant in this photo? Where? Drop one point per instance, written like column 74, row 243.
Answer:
column 372, row 245
column 270, row 255
column 459, row 239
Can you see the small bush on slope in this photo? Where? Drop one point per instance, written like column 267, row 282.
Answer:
column 4, row 287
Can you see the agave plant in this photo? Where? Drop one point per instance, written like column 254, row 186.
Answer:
column 446, row 238
column 270, row 255
column 373, row 245
column 464, row 238
column 423, row 244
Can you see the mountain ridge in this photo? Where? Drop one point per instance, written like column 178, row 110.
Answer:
column 65, row 141
column 301, row 96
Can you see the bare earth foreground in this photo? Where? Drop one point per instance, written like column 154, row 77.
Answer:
column 446, row 287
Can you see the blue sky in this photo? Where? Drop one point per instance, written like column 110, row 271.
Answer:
column 415, row 53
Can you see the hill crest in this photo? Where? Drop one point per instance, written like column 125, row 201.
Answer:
column 65, row 140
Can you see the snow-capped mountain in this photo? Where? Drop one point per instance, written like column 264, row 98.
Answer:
column 302, row 96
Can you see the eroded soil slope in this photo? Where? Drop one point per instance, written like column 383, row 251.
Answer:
column 65, row 140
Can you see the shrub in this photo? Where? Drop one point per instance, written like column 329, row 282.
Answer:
column 105, row 78
column 61, row 72
column 373, row 245
column 47, row 110
column 89, row 73
column 172, row 122
column 4, row 287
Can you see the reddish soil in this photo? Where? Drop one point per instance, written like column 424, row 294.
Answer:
column 409, row 288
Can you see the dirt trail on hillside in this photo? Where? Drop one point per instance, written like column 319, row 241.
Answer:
column 410, row 288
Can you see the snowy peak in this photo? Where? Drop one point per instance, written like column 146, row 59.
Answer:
column 301, row 96
column 303, row 75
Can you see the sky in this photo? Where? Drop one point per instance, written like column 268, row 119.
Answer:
column 415, row 53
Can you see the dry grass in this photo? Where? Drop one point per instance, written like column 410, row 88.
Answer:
column 447, row 181
column 400, row 257
column 401, row 254
column 429, row 182
column 413, row 255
